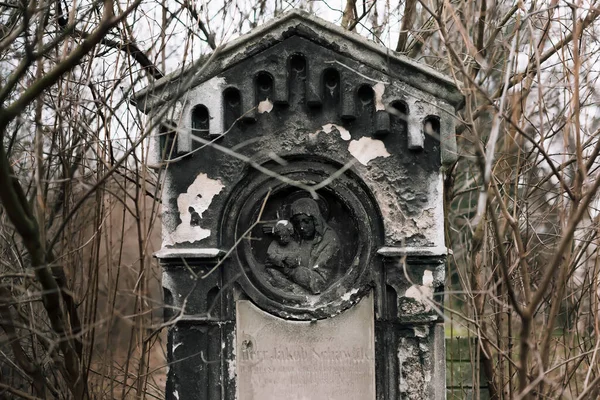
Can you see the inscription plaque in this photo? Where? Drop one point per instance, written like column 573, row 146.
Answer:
column 330, row 359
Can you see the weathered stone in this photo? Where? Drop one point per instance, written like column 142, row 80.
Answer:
column 303, row 203
column 331, row 359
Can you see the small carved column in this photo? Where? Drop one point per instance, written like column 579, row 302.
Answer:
column 201, row 319
column 410, row 324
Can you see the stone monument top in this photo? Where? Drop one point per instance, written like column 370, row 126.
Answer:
column 303, row 247
column 298, row 22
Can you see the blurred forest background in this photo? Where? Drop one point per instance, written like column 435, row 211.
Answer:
column 80, row 294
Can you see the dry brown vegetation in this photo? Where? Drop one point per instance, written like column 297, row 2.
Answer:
column 80, row 303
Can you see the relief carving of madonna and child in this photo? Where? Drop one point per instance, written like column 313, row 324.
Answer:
column 304, row 256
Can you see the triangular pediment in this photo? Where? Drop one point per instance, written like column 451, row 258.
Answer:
column 325, row 36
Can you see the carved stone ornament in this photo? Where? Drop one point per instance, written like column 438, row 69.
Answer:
column 303, row 257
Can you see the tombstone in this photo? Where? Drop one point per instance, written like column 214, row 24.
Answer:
column 302, row 217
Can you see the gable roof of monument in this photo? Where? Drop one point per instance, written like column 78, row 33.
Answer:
column 326, row 34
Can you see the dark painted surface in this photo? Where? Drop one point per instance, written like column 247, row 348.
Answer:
column 384, row 203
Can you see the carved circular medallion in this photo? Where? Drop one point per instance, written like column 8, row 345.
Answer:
column 302, row 257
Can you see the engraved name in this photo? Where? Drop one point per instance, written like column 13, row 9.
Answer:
column 302, row 353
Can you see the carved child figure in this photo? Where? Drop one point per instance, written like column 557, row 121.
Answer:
column 282, row 254
column 282, row 251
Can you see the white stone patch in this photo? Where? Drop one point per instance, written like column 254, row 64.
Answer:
column 422, row 293
column 231, row 368
column 429, row 222
column 285, row 223
column 265, row 106
column 421, row 331
column 167, row 282
column 378, row 89
column 346, row 297
column 428, row 278
column 176, row 394
column 366, row 149
column 432, row 220
column 419, row 293
column 192, row 204
column 344, row 133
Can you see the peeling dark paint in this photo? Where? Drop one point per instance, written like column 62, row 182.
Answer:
column 320, row 102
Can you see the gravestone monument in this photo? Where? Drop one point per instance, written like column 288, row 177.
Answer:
column 302, row 217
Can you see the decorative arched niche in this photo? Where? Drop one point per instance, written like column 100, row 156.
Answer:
column 431, row 126
column 200, row 124
column 284, row 269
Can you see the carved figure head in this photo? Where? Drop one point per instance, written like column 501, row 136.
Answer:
column 307, row 218
column 283, row 231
